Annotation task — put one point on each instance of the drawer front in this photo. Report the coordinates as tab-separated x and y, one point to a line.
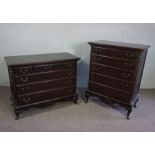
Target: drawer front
115	52
23	70
51	67
47	85
121	74
44	76
110	92
111	82
39	97
114	62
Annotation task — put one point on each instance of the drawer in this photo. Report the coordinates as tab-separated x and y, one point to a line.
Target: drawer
116	53
47	85
51	67
44	76
44	96
120	63
23	70
112	72
106	91
111	82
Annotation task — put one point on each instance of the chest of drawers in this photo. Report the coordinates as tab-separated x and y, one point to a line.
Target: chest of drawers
115	72
40	80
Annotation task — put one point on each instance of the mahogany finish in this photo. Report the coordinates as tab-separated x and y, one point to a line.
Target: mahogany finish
41	80
115	72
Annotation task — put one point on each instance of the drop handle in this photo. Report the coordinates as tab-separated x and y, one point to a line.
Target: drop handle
69	73
70	65
45	67
96	68
130	55
122	95
124	85
24	79
24	71
126	75
126	64
69	81
95	58
26	100
25	88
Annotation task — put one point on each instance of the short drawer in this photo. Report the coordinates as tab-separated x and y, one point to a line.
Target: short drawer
23	70
120	63
106	91
112	72
57	66
19	80
111	82
116	52
46	85
44	96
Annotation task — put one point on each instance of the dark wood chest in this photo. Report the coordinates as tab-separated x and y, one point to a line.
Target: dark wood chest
115	72
40	80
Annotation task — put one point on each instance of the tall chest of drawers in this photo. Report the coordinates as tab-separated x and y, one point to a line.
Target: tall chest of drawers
115	72
40	80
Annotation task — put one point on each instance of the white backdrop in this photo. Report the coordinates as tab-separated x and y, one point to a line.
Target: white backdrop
21	39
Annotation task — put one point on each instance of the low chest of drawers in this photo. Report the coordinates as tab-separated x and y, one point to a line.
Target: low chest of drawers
115	72
41	80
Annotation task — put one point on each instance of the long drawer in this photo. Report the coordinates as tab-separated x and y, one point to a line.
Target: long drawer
112	72
115	52
120	63
24	70
109	92
19	80
46	85
128	86
47	95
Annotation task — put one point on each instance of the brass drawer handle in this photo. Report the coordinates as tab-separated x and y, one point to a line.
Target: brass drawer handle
124	85
48	67
130	55
69	81
93	87
122	95
69	65
27	100
126	75
24	71
25	88
24	79
45	67
70	73
95	68
126	64
97	58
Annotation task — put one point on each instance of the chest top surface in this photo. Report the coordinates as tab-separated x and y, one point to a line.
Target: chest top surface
39	58
119	44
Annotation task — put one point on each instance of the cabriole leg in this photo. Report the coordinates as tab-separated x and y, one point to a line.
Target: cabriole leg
75	99
16	116
135	104
87	96
129	112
